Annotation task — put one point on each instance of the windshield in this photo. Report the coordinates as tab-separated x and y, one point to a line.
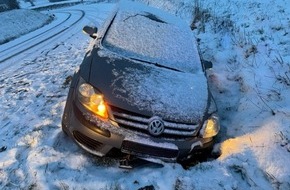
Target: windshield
145	36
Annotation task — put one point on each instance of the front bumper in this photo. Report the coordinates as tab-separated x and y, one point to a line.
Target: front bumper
99	137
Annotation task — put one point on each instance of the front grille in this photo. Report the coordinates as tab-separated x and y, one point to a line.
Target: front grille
87	142
140	123
141	149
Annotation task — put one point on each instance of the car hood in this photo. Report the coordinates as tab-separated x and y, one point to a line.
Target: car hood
149	90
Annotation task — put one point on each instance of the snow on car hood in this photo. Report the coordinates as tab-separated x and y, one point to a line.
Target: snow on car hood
150	90
148	34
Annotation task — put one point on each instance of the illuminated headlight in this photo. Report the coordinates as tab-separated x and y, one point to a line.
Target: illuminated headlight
92	100
210	127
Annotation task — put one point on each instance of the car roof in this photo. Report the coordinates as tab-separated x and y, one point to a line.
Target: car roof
151	35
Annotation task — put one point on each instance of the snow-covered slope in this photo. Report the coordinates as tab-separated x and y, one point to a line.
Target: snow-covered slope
20	21
30	4
248	43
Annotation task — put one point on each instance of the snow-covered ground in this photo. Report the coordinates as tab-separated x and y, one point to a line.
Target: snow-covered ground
26	4
44	3
248	43
20	21
38	3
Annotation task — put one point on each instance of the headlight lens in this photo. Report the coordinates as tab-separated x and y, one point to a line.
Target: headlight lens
92	100
210	127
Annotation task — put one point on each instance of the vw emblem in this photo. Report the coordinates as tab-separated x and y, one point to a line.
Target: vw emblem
156	126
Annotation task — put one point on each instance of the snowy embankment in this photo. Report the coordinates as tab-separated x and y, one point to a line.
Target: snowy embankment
20	21
248	43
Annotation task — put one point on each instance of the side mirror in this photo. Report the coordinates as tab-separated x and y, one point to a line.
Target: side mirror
90	31
207	64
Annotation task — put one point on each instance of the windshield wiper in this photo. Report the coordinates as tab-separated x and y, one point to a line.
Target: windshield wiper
157	65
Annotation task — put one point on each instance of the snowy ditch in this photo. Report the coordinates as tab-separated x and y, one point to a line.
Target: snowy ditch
250	81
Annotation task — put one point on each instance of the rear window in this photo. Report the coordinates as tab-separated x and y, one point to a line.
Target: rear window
148	37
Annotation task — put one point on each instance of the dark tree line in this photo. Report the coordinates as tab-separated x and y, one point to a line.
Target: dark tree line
56	0
8	5
13	4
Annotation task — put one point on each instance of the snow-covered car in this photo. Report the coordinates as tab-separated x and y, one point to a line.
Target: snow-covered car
142	89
